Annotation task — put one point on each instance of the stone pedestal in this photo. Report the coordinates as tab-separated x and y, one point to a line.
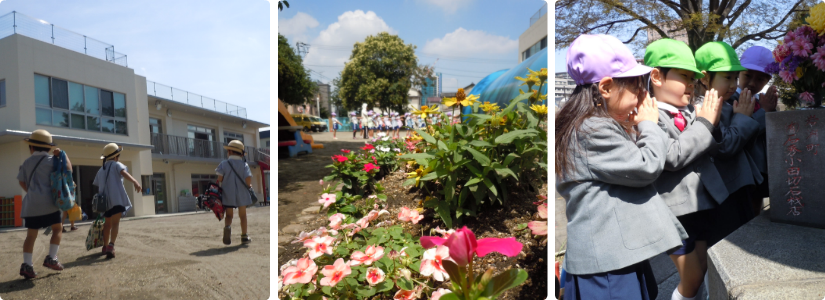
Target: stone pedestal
768	260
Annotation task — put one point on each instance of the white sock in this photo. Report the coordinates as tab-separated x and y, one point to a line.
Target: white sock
27	258
230	226
53	250
678	296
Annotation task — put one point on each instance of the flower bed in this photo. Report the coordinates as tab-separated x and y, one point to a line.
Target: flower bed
383	239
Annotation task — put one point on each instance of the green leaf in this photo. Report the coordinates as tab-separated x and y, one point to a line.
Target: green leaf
384	286
429	176
405	284
481	117
515	102
351	281
409	182
428	138
521	226
315	297
465	191
454	271
348	209
365	291
473	169
504	172
480	143
480	157
382	197
431	203
509	159
444	213
507	280
449	296
417	156
327	290
472	182
490	186
512	135
462	130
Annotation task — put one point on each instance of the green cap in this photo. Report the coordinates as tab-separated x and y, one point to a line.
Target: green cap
670	53
718	57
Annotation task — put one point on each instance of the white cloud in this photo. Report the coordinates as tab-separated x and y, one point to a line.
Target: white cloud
463	42
449	6
333	45
295	28
450	85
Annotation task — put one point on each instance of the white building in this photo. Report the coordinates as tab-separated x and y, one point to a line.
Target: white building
534	38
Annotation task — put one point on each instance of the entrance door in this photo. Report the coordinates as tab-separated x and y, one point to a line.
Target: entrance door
87	189
159	188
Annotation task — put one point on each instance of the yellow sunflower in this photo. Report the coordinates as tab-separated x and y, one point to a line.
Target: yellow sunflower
539	109
489	107
541	75
418	173
424	110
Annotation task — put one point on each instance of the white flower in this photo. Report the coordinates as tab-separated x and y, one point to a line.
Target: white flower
385	138
396	150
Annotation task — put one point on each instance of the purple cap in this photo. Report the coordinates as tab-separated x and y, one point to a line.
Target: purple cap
369	112
449	113
352	113
756	58
334	114
591	58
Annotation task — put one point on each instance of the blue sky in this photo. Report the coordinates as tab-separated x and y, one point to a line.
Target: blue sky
218	49
472	38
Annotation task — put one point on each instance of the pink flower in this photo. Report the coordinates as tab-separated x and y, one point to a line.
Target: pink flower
319	245
322	232
431	263
375	161
339	158
363	222
327	199
543	211
807	97
440	292
801	48
321	182
369	167
463	245
304	236
345	151
355	230
370	255
374	276
405	295
444	233
787	76
819	58
780	53
301	273
368	147
335	273
335	221
538	227
409	215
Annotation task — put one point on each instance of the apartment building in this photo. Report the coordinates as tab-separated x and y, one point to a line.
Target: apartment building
86	96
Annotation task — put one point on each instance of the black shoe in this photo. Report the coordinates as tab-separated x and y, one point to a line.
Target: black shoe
245	239
27	271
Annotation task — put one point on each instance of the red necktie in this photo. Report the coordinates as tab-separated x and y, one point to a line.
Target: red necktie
679	120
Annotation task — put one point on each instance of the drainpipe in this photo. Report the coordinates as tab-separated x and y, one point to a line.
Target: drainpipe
174	174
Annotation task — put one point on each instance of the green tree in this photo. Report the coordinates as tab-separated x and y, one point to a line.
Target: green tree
294	84
380	72
281	4
736	22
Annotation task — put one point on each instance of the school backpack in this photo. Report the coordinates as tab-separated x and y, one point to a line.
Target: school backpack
63	192
212	199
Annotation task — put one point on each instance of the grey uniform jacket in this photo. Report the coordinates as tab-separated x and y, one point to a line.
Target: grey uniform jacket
690	181
735	166
757	148
615	217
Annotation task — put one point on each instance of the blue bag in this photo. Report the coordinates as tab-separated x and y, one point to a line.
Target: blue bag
63	192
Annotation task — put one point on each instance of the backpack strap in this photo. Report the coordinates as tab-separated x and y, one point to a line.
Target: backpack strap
243	182
28	184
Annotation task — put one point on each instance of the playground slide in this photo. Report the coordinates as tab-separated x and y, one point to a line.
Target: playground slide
306	137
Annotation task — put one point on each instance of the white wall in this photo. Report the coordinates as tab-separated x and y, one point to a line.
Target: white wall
532	35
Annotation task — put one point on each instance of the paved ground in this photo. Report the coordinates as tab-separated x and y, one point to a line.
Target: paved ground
169	257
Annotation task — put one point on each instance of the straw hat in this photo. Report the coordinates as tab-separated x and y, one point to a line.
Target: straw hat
111	151
235	145
40	138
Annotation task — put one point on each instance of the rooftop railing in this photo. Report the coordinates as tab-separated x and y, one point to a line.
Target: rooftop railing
542	11
17	23
170	93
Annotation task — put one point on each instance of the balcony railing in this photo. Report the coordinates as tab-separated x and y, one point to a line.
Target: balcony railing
165	144
17	23
542	11
178	95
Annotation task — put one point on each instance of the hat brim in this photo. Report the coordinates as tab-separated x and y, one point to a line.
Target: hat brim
754	68
38	143
116	153
233	149
736	68
638	70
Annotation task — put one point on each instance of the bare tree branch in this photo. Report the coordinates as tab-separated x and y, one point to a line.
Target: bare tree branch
732	19
634	35
641	18
745	38
610	24
676	8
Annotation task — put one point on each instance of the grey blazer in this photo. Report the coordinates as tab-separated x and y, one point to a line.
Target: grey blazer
615	217
737	169
690	182
757	148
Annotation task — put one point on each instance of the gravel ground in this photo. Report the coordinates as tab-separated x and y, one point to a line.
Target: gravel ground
172	257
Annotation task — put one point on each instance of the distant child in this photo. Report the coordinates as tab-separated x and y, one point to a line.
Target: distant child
386	124
396	124
720	65
755	60
38	209
109	180
355	122
690	185
365	124
609	151
335	126
235	178
409	123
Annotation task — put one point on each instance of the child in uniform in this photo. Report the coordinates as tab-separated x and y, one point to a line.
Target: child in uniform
335	126
387	123
235	190
720	65
396	124
109	180
353	119
409	123
755	59
690	185
609	151
39	210
371	123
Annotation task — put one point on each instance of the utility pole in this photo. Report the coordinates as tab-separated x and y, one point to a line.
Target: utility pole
302	48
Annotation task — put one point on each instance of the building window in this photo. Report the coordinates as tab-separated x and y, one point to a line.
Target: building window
267	144
155	126
62	103
229	136
200	182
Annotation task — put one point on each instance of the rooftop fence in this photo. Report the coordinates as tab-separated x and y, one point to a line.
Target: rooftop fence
17	23
538	14
170	93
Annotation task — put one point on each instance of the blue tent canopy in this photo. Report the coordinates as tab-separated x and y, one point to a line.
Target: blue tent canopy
502	86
